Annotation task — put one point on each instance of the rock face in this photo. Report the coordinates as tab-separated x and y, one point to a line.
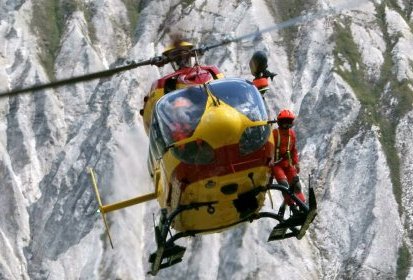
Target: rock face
348	76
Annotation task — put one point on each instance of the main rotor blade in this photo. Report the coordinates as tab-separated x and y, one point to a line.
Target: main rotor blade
300	20
77	79
348	5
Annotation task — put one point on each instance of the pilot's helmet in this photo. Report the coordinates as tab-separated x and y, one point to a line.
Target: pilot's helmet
179	54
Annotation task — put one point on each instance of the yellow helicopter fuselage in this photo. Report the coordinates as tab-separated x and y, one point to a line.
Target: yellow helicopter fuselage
221	162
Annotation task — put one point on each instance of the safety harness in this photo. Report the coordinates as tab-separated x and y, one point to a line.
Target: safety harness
287	153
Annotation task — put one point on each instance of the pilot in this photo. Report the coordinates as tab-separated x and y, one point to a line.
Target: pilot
181	118
285	167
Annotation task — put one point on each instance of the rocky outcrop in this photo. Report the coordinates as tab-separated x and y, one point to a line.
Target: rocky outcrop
348	77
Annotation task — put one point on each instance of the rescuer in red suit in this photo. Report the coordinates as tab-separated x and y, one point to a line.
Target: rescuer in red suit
285	167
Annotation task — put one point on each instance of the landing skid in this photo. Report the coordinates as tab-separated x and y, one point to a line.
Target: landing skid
168	253
298	224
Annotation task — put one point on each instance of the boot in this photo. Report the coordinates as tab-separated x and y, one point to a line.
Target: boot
296	185
284	183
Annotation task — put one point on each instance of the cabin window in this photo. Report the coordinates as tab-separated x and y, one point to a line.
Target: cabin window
241	95
157	144
195	152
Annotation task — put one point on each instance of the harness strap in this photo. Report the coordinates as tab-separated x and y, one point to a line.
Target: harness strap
288	152
277	151
288	149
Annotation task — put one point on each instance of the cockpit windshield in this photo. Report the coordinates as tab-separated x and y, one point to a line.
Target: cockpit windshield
241	95
179	113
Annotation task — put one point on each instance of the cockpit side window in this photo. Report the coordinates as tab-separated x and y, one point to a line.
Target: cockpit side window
157	144
195	152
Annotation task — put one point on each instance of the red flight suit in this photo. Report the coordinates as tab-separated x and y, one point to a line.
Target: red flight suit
285	159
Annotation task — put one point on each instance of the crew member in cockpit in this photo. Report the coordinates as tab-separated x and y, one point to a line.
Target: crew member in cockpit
180	124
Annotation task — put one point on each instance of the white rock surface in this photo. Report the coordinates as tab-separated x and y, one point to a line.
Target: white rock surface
49	228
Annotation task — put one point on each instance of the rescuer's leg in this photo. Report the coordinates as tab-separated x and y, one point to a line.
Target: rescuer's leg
294	181
287	199
296	185
281	177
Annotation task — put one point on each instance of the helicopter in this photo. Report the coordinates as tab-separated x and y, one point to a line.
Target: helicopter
214	175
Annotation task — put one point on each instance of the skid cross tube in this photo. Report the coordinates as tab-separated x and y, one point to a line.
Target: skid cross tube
253	217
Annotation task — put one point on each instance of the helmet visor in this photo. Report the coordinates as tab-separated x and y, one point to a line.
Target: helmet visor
286	123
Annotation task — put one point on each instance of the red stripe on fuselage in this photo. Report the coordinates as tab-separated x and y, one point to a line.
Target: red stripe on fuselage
227	161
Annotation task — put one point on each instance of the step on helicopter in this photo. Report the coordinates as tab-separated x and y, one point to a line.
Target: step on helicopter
209	154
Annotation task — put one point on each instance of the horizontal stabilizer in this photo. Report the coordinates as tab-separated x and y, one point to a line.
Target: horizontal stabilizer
95	187
103	209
